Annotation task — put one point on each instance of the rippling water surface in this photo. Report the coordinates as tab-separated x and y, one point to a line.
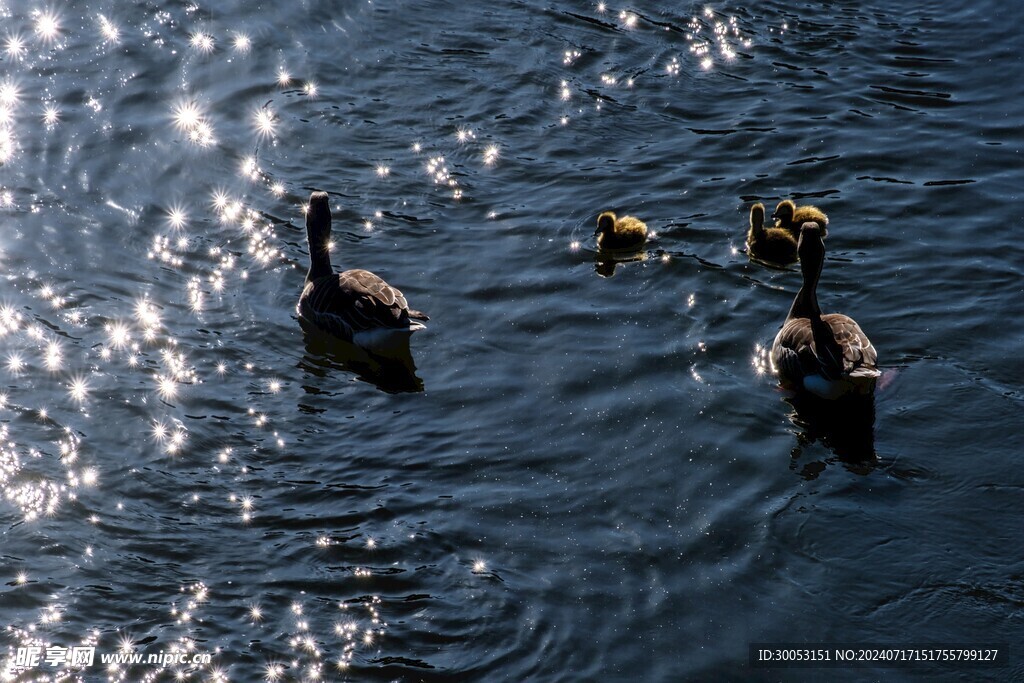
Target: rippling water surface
587	477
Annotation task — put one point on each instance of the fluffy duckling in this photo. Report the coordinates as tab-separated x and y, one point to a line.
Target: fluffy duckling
826	355
790	216
355	305
620	233
774	245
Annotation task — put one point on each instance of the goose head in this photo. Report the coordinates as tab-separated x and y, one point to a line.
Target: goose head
810	247
318	221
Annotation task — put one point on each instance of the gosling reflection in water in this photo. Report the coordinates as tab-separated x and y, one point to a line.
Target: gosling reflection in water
394	373
605	263
845	426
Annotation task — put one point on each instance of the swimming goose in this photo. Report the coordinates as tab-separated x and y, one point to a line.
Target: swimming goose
620	233
827	355
790	216
775	245
355	305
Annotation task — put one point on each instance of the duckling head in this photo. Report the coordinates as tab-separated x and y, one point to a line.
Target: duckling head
757	215
810	247
605	223
784	211
318	220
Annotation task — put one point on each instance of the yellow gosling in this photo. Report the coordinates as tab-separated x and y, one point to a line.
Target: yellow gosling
620	233
773	245
790	216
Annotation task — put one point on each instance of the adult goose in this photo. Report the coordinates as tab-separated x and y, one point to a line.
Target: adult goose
774	245
790	216
619	234
355	305
826	355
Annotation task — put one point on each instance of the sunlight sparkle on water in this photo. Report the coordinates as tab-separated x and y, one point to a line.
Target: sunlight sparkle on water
47	26
9	96
220	200
491	155
10	320
176	217
761	360
311	89
265	121
89	476
186	115
15	47
15	363
109	31
166	387
202	42
50	114
53	358
242	43
251	170
190	120
79	389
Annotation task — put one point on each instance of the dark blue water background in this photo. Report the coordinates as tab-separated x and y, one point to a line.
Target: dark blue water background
597	481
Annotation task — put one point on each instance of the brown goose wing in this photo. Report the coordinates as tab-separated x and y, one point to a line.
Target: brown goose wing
858	353
835	348
793	352
360	299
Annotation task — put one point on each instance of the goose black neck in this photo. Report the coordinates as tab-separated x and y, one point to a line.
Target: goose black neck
805	305
318	233
319	261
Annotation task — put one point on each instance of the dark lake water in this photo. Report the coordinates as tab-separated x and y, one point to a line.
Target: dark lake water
598	480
